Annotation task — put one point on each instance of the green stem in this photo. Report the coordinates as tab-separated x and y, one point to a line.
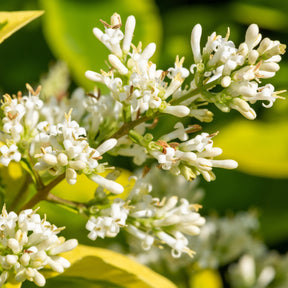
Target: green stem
42	194
126	127
198	90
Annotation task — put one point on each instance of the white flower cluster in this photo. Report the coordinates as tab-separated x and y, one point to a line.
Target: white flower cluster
268	270
64	149
104	115
21	115
29	244
237	70
156	222
217	244
109	221
249	277
189	158
134	80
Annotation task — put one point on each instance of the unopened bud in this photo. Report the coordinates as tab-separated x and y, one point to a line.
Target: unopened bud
264	45
77	165
149	51
106	146
226	81
179	110
50	159
116	20
252	37
129	30
66	246
195	42
62	159
253	56
117	64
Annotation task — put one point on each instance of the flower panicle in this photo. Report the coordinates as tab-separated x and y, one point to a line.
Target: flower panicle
30	244
236	71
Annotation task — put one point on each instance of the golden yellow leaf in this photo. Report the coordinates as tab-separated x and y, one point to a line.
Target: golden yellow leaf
102	265
206	278
14	285
10	22
259	148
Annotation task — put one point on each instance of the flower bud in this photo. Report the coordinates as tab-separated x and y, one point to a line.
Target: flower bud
195	43
149	51
106	146
253	56
226	81
117	64
110	185
62	159
116	20
71	176
50	159
227	164
264	45
179	110
77	165
66	246
129	30
252	37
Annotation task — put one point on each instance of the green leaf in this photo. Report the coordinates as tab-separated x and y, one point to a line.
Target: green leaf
260	148
266	17
68	28
10	22
95	267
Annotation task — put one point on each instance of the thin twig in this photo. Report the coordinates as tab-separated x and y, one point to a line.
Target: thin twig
56	199
126	127
43	193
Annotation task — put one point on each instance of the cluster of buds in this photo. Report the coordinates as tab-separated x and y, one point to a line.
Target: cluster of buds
64	149
156	222
237	71
267	270
108	221
29	244
20	117
188	158
133	79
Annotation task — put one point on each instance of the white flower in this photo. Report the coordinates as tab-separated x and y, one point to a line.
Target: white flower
178	243
29	245
8	154
151	219
109	222
64	149
250	276
112	36
190	158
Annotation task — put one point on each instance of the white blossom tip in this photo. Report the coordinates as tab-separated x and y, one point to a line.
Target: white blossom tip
107	145
91	75
110	185
117	64
195	42
178	110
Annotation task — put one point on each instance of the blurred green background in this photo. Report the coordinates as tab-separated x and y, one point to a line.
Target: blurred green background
260	146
